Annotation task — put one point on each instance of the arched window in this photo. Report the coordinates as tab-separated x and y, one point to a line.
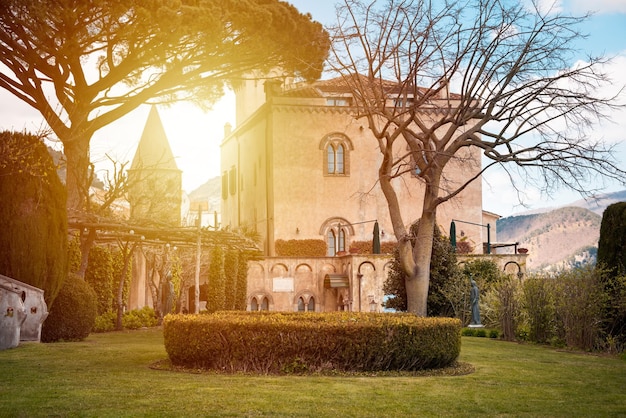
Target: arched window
330	156
337	149
339	163
254	305
337	232
341	242
304	306
331	243
265	305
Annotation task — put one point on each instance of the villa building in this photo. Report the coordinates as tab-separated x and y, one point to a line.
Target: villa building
300	168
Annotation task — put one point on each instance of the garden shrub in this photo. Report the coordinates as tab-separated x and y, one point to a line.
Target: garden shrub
135	319
73	314
366	247
105	322
468	332
579	300
480	332
140	318
269	342
505	304
300	248
538	308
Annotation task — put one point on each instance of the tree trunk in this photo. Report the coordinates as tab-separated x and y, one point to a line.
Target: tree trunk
418	280
77	178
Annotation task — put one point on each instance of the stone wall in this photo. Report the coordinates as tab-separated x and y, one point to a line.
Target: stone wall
350	282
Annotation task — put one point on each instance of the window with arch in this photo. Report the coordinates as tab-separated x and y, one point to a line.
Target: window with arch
263	305
304	306
337	232
331	241
336	241
341	241
337	149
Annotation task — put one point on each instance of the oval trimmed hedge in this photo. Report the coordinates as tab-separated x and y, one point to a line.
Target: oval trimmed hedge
272	342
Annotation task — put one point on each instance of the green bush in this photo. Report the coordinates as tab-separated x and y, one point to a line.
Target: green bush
140	318
300	248
579	300
135	319
269	342
469	332
73	314
480	332
105	322
538	308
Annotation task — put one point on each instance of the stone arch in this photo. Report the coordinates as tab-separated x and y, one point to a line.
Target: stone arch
279	270
304	267
336	136
509	268
366	267
310	301
257	298
327	268
332	222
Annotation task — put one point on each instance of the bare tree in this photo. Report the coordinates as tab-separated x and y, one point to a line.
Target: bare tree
520	100
85	63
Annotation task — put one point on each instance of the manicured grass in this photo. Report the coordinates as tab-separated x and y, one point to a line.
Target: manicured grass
110	375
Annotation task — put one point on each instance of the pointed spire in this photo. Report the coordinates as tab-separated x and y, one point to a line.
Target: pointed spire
153	151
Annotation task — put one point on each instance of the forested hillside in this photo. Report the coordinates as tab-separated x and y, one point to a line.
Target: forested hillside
558	239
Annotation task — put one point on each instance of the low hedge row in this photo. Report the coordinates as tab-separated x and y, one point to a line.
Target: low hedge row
268	342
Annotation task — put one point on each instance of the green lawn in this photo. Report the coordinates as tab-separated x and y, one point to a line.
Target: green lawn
109	375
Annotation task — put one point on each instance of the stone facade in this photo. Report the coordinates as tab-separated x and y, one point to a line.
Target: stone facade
319	284
299	166
342	283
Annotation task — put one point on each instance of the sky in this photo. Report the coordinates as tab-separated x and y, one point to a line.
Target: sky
195	135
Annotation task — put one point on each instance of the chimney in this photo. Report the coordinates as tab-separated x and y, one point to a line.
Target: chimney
444	89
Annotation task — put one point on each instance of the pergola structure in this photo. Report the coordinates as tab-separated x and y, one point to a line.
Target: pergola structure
190	237
157	235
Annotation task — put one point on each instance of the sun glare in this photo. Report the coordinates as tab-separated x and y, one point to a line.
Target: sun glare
194	136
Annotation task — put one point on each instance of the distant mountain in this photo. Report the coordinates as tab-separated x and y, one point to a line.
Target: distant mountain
210	191
598	203
559	239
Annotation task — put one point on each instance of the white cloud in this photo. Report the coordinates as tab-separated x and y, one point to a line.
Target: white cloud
549	6
598	6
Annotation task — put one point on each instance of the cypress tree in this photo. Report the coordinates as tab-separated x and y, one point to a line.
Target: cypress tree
612	257
33	216
216	284
230	276
612	243
241	292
